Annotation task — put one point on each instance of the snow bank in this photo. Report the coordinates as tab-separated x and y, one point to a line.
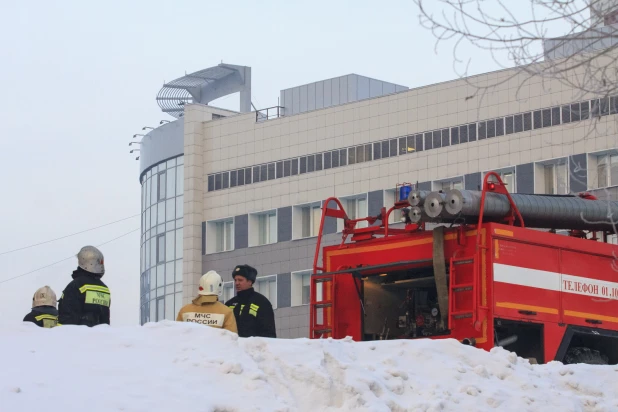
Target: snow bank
170	366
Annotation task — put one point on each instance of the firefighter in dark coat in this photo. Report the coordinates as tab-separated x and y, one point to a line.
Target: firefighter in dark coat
86	300
254	312
44	312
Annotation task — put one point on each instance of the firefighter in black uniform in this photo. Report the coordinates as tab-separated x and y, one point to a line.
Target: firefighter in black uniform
253	311
86	300
44	312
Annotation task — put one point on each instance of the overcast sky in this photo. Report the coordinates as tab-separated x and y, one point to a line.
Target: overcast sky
80	78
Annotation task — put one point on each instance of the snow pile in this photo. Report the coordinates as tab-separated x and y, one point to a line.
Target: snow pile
170	366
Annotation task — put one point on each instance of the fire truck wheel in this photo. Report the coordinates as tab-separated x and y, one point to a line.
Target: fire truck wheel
585	355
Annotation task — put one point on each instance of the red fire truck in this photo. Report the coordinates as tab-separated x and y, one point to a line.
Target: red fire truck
531	273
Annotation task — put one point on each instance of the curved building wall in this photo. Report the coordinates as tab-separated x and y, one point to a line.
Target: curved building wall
162	143
162	181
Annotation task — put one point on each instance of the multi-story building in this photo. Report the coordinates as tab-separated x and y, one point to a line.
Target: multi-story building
222	188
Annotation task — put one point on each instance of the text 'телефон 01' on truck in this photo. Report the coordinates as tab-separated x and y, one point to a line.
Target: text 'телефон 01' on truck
483	274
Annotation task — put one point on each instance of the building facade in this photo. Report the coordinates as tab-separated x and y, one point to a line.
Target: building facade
253	183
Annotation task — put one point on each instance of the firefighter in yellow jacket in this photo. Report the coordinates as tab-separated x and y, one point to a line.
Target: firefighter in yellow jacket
206	308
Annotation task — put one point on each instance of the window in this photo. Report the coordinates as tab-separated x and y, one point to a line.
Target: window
463	134
500	127
555	179
527	121
160	309
306	220
352	155
491	128
301	288
271	171
455	135
327	160
355	207
428	141
161	248
607	170
509	125
263	228
228	291
360	154
508	178
538	120
224	235
390	197
311	220
161	186
267	286
448	185
437	139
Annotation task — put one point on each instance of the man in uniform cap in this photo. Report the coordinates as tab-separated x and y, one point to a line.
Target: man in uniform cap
44	312
253	311
206	309
86	300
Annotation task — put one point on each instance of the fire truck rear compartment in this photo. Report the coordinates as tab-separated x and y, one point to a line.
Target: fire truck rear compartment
523	338
401	304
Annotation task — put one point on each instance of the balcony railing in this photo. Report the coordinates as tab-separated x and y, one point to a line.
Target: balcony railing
269	113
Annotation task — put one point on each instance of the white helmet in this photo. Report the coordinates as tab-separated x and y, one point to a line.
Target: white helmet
90	259
44	296
211	284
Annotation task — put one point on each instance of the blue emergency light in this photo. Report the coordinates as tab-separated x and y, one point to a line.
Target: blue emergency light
404	192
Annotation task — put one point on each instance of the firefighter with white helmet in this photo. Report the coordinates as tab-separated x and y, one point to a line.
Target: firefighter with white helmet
86	300
44	312
206	309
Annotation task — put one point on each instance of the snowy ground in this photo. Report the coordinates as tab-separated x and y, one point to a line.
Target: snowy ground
172	366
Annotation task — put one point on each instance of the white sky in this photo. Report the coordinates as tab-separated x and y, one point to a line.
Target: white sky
79	79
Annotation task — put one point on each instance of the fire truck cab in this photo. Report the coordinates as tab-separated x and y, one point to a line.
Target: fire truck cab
495	282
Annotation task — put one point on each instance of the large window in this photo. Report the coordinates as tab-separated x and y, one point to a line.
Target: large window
508	177
161	241
224	235
228	291
607	170
555	177
355	207
220	235
301	287
267	286
263	228
448	184
306	220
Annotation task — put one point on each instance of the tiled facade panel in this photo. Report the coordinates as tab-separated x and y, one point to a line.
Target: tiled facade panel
524	175
424	186
241	232
292	322
284	224
284	285
375	202
578	173
472	181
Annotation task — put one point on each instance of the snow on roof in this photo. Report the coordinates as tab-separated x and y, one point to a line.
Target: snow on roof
170	366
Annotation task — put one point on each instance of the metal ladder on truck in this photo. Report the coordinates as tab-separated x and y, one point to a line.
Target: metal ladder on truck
322	307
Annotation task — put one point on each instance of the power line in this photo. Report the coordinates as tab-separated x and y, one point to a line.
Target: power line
70	257
64	237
